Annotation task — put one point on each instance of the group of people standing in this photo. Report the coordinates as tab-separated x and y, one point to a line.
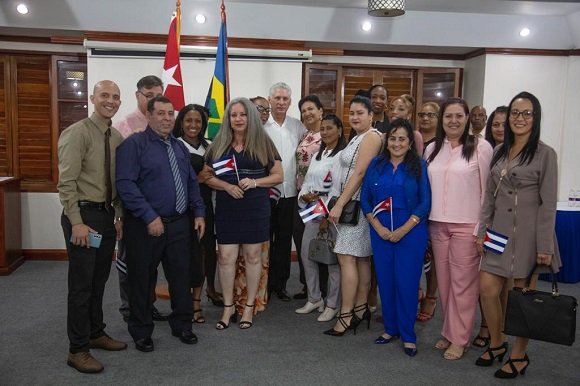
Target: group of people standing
421	198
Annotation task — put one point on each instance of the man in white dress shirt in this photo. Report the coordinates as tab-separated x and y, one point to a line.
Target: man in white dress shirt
286	132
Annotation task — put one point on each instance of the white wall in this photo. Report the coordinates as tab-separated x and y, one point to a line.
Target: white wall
247	78
41	221
474	80
568	157
550	79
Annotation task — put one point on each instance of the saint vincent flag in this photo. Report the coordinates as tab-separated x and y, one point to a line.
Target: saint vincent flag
218	94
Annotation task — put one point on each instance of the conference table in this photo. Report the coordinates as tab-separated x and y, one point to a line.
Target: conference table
568	234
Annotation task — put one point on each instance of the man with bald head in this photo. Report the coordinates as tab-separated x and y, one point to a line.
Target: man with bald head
91	211
478	118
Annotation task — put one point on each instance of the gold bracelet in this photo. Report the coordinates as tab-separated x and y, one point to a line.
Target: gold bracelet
414	220
255	184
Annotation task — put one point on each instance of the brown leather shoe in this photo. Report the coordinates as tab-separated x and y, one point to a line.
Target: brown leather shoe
105	342
84	362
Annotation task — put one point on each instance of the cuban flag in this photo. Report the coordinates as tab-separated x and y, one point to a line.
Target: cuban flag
225	165
383	206
495	242
274	194
319	209
327	182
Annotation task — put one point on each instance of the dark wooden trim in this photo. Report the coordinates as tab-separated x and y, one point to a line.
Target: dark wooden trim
74	40
410	55
191	40
25	39
327	51
5	271
45	254
575	52
518	51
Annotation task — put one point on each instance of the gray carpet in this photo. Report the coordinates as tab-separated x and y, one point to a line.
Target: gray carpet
282	348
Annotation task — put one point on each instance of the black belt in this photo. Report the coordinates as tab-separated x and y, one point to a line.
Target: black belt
93	205
168	220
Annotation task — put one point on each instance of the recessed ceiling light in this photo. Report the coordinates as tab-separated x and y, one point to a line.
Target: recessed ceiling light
22	9
200	18
366	26
438	94
524	32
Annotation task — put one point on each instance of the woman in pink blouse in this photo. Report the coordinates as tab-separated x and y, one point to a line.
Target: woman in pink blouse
311	112
458	169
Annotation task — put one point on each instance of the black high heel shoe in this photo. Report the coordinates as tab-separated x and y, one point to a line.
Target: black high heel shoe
221	325
200	318
490	351
215	299
365	316
341	318
245	324
505	375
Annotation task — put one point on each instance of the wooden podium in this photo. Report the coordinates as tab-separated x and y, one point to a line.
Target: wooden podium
10	233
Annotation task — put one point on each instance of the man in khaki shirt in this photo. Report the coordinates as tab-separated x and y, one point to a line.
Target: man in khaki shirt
87	192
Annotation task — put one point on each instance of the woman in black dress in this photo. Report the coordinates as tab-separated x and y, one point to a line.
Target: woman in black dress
242	213
190	127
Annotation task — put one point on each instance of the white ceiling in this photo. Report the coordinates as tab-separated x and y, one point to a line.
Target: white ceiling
446	26
496	7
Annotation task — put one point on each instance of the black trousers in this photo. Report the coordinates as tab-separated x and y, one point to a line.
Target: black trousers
88	271
203	253
144	252
282	220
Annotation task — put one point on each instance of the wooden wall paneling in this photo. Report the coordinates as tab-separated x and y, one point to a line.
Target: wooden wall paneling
354	79
5	137
34	153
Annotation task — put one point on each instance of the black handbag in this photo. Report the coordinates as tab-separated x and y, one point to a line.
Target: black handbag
350	212
320	249
539	315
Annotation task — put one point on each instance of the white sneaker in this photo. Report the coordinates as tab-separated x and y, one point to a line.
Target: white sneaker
327	315
309	307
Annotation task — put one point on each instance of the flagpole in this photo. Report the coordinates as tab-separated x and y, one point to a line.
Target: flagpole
236	167
178	21
391	204
227	83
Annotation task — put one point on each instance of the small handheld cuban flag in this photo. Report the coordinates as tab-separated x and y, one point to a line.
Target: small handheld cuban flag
319	209
274	194
327	182
383	206
495	242
224	165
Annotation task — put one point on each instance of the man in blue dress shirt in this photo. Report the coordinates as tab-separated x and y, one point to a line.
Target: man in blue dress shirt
157	186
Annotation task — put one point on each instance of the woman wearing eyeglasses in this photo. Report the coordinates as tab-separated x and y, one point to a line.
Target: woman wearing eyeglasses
520	203
428	127
458	169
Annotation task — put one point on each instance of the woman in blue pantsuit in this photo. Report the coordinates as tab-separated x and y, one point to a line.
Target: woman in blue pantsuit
396	199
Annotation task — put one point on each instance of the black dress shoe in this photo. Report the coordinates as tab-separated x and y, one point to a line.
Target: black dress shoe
187	337
300	295
144	344
158	316
283	295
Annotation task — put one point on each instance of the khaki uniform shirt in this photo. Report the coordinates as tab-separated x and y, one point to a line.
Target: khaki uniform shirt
81	165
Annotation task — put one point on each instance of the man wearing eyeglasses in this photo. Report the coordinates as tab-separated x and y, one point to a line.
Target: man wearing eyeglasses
148	88
478	118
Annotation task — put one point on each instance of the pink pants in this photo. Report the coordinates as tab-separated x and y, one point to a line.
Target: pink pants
457	264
